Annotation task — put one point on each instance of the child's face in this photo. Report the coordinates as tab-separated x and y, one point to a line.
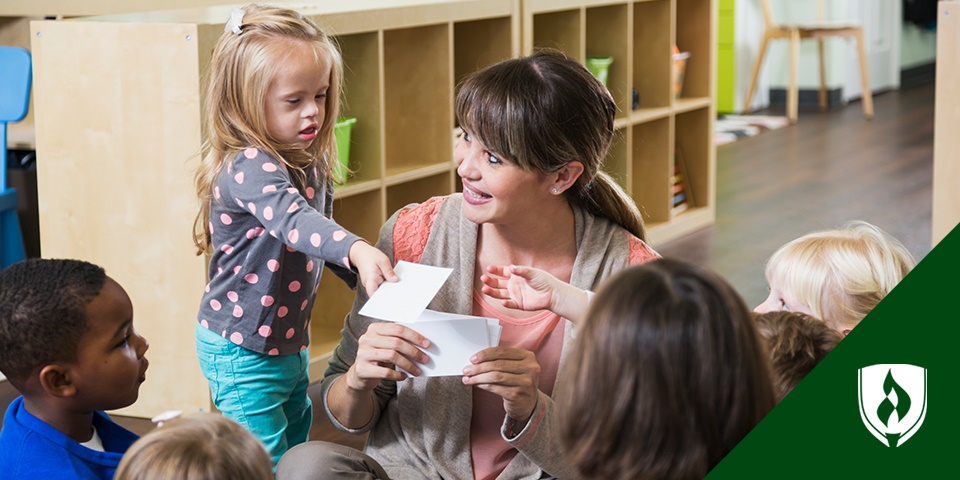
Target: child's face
110	363
779	299
297	98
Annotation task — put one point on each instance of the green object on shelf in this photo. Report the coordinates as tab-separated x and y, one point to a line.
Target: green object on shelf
342	132
600	67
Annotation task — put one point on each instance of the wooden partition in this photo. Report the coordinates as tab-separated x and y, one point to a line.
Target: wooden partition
118	128
946	143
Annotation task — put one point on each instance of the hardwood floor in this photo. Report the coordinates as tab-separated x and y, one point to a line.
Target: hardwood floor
825	170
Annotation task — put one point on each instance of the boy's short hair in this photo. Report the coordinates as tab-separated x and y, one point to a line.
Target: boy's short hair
797	343
43	313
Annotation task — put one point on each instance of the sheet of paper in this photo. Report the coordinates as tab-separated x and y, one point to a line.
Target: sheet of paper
405	300
452	342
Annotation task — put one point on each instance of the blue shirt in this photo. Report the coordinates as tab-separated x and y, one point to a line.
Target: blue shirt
29	448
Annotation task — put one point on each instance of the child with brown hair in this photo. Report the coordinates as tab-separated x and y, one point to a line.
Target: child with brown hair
797	342
70	349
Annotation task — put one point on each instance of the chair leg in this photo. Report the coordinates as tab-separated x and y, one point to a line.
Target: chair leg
747	103
823	76
793	93
867	94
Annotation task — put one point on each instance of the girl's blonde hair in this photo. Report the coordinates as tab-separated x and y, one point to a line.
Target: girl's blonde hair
241	69
196	447
840	274
542	112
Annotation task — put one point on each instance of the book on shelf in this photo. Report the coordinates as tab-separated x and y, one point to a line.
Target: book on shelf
682	194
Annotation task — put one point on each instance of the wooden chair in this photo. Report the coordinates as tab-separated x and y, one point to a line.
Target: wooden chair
818	30
14	100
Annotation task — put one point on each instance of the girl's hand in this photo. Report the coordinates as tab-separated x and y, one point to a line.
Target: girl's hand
528	288
511	373
384	346
373	266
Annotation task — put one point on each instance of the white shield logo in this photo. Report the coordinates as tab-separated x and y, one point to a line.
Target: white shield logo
893	401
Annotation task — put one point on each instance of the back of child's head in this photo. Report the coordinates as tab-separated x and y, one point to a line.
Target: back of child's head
840	275
542	112
196	447
43	313
241	70
797	343
669	374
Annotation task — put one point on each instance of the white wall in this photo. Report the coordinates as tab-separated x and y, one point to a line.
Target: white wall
918	46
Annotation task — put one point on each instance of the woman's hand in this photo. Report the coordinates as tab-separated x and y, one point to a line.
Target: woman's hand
528	288
511	373
384	346
373	266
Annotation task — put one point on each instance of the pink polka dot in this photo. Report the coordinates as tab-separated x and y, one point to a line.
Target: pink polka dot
269	188
310	266
269	167
273	234
216	192
252	208
237	338
251	278
303	347
215	304
266	300
225	219
207	288
265	331
291	190
240	202
282	312
223	334
205	324
210	224
291	333
315	239
236	269
293	207
273	265
252	233
268	213
303	306
258	231
339	235
228	249
310	192
293	236
238	177
346	262
233	296
219	270
291	249
237	311
294	286
273	352
250	153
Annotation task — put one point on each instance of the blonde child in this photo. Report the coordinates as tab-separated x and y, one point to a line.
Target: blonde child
836	275
199	446
266	196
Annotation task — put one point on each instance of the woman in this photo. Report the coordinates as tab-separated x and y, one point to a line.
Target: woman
535	132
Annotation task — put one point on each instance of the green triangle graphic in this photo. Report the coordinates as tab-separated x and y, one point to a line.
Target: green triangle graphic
816	431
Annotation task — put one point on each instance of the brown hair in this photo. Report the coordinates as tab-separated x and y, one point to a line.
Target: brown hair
196	447
669	374
241	70
797	343
573	115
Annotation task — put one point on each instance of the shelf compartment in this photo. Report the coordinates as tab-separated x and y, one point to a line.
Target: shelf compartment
651	169
480	43
694	144
418	103
694	34
361	100
617	163
417	191
606	36
559	31
652	58
681	105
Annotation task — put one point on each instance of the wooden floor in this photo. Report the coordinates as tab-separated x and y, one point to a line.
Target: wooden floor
825	170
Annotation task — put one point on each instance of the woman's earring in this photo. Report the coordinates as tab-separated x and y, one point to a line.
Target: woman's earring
555	191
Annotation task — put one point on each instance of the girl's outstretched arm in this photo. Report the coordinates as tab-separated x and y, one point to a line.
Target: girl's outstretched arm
528	288
373	266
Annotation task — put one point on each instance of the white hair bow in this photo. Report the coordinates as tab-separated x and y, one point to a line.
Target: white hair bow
236	19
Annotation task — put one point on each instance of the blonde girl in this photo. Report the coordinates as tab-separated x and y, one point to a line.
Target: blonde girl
836	275
266	196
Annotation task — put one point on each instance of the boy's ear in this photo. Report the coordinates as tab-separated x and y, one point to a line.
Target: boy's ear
55	380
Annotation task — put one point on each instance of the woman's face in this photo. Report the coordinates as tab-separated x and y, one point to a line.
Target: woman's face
496	190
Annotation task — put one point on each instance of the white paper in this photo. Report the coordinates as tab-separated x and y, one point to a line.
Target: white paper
452	343
405	300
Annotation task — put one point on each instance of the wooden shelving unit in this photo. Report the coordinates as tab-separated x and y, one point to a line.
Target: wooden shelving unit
120	140
639	36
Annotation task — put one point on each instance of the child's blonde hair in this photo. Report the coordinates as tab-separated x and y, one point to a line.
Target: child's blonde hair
840	274
240	73
196	447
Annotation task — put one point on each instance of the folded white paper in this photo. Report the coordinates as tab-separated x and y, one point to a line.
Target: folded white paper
405	300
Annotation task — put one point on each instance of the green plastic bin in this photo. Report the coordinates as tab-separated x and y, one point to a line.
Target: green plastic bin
342	132
599	67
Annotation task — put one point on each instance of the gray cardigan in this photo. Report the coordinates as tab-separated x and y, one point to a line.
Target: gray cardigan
420	428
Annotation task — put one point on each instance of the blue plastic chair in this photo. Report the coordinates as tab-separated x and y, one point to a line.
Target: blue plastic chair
14	99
